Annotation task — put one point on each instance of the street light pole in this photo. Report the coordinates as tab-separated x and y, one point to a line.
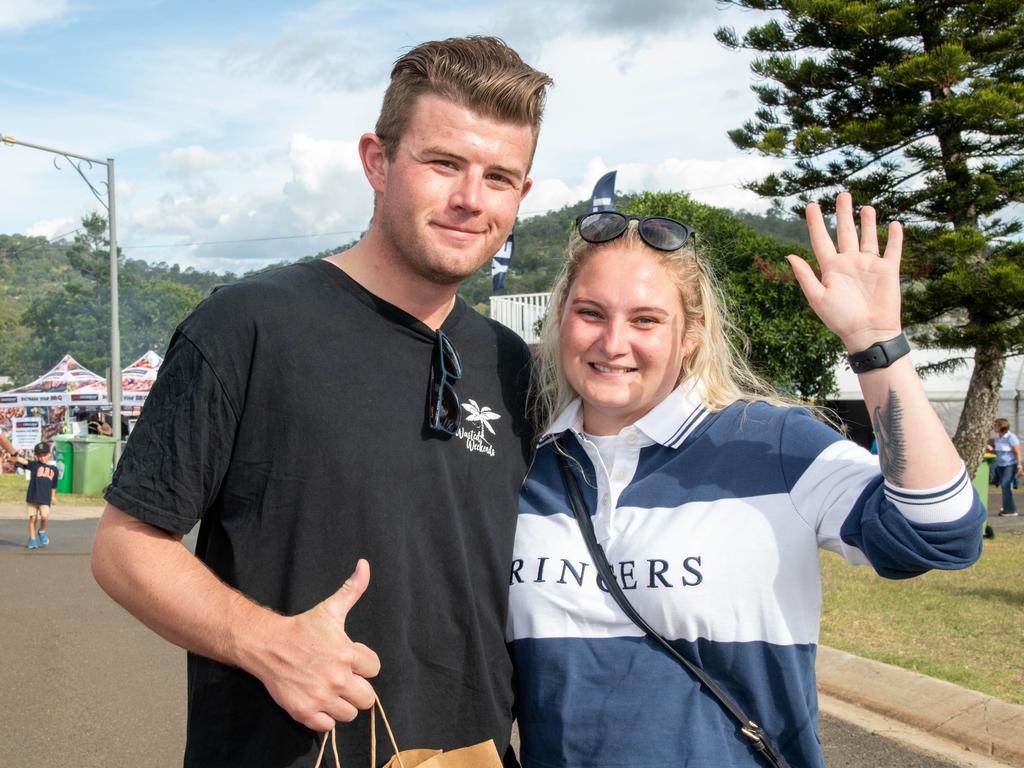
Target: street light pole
115	319
115	329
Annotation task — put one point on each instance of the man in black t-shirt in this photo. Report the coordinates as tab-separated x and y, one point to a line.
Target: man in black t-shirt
328	415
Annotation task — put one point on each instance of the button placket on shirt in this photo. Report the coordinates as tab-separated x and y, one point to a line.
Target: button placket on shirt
612	481
602	516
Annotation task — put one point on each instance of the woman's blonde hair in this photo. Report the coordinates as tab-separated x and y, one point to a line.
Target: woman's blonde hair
715	362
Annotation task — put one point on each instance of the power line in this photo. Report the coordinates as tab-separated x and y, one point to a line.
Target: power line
242	240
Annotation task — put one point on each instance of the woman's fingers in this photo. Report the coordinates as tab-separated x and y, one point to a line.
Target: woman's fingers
847	241
821	241
868	231
894	243
846	230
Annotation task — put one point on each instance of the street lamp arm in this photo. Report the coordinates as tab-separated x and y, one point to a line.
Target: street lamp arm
74	160
10	141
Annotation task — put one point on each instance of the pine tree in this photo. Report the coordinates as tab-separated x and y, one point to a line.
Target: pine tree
917	107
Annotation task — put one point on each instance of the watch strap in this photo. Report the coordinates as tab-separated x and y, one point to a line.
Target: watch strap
881	354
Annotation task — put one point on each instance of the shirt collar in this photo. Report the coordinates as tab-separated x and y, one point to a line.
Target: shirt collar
669	423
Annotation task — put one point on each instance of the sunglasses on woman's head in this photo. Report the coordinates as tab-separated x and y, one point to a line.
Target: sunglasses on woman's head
659	232
444	412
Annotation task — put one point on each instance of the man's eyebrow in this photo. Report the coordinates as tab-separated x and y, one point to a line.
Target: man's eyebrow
442	151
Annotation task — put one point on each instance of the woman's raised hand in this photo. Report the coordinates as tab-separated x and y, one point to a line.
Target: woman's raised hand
858	294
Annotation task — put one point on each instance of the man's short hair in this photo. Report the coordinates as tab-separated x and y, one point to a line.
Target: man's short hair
480	73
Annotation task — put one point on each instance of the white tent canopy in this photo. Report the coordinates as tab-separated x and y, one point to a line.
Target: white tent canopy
946	391
58	386
68	383
136	381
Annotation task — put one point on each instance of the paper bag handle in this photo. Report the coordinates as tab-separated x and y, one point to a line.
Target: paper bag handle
333	736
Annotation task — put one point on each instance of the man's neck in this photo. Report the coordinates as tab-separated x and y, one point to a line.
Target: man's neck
368	264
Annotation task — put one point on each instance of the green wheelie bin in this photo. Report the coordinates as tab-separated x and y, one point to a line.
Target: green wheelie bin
981	485
64	458
93	463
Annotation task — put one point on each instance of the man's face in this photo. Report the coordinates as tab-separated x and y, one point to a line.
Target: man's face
449	196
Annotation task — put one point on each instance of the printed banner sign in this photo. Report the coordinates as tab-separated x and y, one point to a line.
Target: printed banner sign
26	432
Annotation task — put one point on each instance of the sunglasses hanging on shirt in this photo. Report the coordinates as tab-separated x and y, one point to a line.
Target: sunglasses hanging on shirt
444	411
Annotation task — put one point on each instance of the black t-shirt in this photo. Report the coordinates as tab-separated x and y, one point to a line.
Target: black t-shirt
290	417
42	479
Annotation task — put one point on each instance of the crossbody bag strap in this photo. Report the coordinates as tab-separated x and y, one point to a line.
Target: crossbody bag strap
756	736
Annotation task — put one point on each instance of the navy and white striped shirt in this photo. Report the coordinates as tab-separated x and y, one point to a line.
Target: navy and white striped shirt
712	524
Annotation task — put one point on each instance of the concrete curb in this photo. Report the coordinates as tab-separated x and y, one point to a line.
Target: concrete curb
974	721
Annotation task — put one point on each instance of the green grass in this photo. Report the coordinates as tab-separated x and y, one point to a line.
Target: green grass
12	489
962	626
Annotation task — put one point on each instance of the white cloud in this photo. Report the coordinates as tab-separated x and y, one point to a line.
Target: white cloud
319	164
286	206
186	162
20	14
49	228
714	182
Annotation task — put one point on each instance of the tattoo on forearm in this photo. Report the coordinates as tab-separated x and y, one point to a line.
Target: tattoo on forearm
888	423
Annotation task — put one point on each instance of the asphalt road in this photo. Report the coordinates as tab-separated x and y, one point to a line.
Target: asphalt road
84	684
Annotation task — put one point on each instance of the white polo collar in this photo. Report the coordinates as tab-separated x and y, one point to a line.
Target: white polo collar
669	423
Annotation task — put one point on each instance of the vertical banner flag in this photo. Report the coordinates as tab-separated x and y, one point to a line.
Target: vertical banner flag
603	198
499	264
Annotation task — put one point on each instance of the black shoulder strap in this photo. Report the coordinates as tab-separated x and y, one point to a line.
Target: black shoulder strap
758	739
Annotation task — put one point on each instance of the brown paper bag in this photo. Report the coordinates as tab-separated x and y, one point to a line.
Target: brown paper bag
482	755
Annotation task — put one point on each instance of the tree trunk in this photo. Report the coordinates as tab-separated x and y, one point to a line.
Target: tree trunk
980	404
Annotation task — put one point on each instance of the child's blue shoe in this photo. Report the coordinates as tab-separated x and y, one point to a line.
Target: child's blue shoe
32	544
44	540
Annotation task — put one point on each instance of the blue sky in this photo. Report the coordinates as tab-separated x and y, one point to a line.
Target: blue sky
239	120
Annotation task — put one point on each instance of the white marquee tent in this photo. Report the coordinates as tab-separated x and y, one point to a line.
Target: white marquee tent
136	381
57	387
946	391
68	383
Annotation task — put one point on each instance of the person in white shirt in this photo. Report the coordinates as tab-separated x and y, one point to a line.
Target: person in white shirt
1008	466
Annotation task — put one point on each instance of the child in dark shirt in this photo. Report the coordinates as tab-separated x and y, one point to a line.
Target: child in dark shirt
42	492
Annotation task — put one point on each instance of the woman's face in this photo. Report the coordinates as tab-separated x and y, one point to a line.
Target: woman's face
621	337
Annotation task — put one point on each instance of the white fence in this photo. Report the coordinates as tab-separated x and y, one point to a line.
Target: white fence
521	312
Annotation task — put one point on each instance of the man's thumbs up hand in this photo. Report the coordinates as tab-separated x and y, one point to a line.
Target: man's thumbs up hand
311	667
341	602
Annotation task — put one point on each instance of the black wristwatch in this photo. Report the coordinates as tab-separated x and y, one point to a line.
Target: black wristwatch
879	355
